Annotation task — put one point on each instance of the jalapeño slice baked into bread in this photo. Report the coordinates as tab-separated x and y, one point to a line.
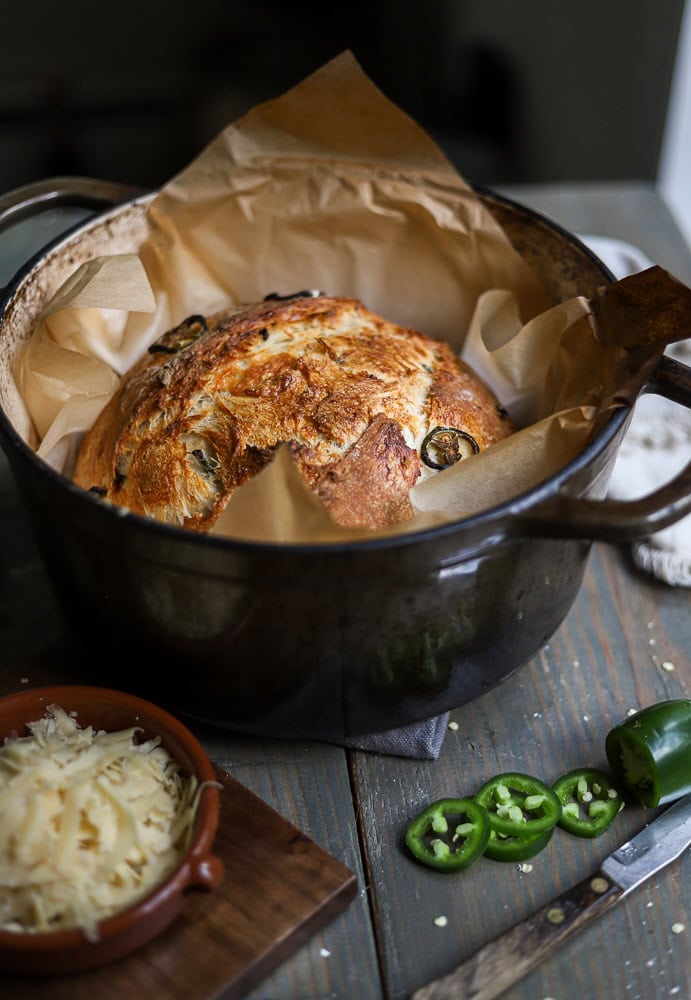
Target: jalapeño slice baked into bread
366	407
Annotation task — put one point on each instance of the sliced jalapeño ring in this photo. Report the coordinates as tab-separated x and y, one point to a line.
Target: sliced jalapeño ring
519	805
444	446
449	834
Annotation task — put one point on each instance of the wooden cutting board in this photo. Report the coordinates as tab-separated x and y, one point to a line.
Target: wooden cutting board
279	889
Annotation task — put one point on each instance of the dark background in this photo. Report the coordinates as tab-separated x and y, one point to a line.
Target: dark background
513	91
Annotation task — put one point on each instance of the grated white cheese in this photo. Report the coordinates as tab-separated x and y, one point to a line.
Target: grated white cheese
90	822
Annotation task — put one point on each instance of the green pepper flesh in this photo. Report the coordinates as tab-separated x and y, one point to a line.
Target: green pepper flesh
650	752
589	801
519	805
449	834
517	848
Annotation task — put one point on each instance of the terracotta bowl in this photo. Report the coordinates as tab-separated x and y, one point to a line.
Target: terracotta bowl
69	950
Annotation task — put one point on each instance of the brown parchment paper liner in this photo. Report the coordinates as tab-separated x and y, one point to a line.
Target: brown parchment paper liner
332	187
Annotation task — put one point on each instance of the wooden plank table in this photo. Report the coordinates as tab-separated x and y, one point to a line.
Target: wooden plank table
553	715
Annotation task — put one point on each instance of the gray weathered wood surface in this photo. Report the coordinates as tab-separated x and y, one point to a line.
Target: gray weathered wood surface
553	715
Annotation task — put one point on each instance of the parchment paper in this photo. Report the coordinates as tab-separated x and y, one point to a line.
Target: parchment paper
333	187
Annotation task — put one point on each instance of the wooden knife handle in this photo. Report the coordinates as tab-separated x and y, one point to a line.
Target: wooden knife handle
508	958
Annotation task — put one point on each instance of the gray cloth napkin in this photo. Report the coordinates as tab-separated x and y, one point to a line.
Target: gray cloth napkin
422	740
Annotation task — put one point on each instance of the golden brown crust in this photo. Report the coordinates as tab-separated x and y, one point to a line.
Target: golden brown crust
368	487
353	395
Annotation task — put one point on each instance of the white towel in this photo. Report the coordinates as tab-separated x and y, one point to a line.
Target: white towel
656	446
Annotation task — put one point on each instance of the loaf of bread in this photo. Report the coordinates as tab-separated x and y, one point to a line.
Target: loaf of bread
366	408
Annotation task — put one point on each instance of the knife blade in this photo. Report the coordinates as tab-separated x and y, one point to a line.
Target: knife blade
509	957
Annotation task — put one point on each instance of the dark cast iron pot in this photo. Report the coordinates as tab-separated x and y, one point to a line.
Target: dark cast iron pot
324	641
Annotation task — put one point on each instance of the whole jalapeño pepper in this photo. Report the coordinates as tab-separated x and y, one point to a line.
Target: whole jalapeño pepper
650	752
449	834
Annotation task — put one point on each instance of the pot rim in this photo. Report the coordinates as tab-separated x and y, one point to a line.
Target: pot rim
495	515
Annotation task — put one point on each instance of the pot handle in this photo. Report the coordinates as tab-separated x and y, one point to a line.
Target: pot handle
79	192
621	520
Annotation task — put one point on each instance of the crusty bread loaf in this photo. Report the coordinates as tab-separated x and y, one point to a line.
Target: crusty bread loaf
366	407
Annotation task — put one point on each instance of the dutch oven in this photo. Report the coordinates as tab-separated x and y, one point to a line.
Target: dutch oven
322	641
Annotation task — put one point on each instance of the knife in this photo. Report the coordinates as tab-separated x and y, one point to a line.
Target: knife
506	959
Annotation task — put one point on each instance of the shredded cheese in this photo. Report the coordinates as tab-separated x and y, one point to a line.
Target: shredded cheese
90	822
